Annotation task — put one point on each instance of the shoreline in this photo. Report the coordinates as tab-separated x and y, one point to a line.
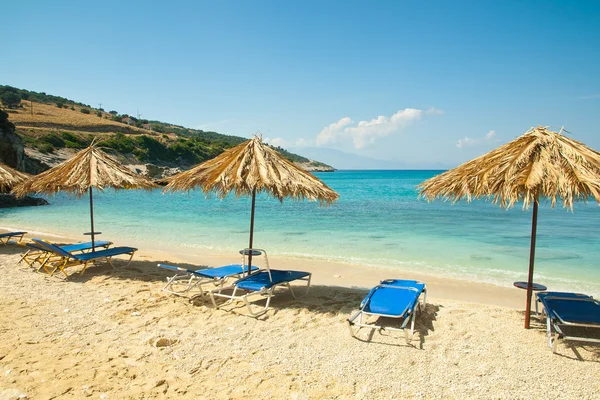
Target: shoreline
336	273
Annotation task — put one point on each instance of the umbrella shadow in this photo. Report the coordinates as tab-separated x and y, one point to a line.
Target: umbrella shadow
321	299
12	249
139	270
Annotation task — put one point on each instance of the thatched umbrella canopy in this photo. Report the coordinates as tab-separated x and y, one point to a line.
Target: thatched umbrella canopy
89	168
539	164
250	168
10	177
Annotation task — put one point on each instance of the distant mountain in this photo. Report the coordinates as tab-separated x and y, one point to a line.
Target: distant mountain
344	160
52	128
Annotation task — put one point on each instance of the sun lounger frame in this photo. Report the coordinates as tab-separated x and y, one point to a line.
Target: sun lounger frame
85	259
196	279
41	255
408	314
554	321
264	292
6	237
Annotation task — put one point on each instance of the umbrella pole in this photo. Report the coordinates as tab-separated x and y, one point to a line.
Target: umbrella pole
251	231
531	261
92	219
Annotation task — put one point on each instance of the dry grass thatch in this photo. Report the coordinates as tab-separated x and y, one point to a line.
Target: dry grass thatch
540	163
253	166
90	167
10	177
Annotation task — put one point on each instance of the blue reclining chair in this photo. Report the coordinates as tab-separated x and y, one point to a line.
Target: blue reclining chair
566	314
6	238
41	255
392	298
194	280
70	259
262	283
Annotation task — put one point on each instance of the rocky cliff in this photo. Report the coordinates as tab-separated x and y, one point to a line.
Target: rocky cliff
12	150
12	153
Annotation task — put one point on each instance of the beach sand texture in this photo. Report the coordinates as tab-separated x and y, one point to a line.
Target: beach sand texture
113	334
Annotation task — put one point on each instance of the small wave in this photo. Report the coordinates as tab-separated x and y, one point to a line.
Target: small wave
480	257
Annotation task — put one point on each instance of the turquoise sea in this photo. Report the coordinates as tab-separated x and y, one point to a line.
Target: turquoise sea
378	221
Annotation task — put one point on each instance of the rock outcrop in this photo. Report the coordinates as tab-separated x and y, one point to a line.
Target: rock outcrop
8	200
12	150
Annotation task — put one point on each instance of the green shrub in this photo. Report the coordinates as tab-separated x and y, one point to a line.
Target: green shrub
99	114
53	139
85	111
46	148
60	105
10	99
120	143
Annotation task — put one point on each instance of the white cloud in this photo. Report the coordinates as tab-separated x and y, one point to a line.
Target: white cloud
275	142
330	133
304	143
434	111
469	142
367	132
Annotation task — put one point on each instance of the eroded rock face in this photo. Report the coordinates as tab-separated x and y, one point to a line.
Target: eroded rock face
12	150
160	172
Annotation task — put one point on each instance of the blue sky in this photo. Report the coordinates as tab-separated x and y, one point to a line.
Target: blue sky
376	84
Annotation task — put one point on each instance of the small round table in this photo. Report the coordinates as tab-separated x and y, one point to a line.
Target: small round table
536	287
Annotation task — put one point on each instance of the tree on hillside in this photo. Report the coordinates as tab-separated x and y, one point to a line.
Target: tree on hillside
10	99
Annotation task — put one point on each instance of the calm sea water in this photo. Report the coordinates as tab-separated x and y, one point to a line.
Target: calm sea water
378	221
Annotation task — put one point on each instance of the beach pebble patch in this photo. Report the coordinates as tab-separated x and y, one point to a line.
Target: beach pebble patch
162	342
12	394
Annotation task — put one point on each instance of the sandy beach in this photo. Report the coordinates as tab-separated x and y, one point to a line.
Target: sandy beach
113	334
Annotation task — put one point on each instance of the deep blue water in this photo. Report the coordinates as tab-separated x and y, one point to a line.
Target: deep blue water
378	221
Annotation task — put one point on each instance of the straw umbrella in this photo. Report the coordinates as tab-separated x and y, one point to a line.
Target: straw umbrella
90	168
10	177
250	168
539	164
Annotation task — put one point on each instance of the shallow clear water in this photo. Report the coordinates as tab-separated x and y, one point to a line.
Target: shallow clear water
378	221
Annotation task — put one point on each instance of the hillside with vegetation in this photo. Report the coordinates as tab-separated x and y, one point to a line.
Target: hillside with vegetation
52	128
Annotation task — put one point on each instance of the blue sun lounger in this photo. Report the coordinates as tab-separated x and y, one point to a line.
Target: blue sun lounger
6	238
570	316
262	284
192	281
42	255
70	259
392	298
